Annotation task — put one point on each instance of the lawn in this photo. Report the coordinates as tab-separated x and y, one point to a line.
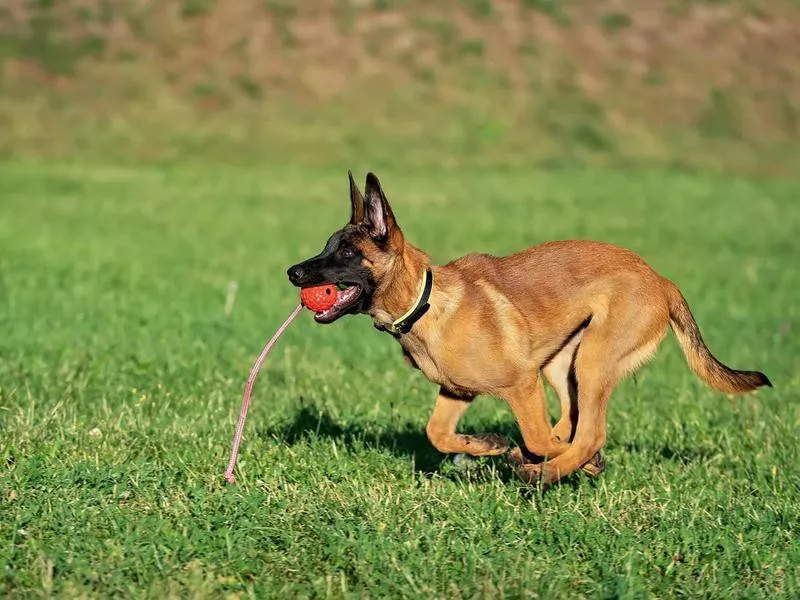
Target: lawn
121	377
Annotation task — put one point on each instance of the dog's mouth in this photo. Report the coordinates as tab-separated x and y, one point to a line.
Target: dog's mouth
346	297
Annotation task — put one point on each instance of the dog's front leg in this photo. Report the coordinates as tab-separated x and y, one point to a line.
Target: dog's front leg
441	429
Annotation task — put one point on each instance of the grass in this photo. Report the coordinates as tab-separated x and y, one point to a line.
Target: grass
121	379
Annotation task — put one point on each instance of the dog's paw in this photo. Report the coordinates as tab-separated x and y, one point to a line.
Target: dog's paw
595	466
522	456
516	458
486	444
528	471
533	470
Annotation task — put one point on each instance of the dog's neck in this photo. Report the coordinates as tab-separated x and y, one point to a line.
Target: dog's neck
401	286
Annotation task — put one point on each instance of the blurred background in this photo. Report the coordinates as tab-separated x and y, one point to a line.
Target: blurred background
711	84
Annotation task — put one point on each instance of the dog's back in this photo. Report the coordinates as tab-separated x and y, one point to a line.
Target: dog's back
580	274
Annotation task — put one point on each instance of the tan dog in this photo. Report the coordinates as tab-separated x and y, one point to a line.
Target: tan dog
580	314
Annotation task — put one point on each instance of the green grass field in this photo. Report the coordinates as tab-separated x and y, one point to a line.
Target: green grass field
121	378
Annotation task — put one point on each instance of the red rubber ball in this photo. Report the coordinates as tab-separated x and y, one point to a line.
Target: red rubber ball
318	298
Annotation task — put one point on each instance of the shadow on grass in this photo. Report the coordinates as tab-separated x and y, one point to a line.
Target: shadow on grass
406	440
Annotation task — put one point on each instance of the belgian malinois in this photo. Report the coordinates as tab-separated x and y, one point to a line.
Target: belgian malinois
581	314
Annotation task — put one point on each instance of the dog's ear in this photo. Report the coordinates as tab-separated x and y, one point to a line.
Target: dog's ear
356	202
379	219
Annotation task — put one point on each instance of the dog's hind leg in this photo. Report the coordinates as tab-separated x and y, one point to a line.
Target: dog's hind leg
611	347
527	402
596	380
441	429
560	374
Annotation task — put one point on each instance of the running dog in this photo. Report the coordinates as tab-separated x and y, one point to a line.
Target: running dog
579	314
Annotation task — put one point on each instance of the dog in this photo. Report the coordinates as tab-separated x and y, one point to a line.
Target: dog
580	314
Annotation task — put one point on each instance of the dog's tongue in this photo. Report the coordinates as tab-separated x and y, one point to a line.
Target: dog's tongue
346	294
343	298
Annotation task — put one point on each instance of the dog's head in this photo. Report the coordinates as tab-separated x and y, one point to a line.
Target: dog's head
357	257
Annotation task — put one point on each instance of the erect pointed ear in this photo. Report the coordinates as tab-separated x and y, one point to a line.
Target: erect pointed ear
356	202
379	219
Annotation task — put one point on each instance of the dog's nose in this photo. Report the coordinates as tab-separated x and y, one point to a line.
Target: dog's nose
296	274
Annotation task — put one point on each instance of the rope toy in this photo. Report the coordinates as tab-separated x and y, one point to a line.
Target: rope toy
317	298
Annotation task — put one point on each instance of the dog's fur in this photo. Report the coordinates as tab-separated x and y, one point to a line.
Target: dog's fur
579	314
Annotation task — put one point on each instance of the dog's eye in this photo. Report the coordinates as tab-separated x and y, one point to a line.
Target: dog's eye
347	253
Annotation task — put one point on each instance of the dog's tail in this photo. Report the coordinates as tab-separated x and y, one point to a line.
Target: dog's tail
699	357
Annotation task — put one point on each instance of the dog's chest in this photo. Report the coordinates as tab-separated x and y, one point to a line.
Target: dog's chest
420	356
435	364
